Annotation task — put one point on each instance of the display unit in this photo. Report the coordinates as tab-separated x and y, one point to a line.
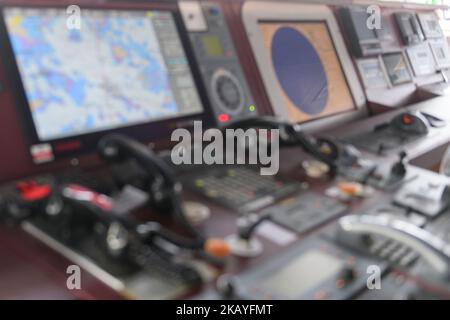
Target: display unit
396	68
363	40
409	27
372	73
441	53
304	64
430	25
421	59
135	76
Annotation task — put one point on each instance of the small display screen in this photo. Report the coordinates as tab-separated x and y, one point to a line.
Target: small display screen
421	60
120	68
213	46
430	25
302	275
306	65
396	68
441	53
372	73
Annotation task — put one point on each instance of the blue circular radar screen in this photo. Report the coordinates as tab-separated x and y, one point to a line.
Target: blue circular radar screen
299	70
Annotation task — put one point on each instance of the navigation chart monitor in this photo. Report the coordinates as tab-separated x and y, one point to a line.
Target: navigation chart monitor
120	69
305	67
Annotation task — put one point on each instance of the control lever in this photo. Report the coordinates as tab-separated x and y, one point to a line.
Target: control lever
432	249
398	170
101	208
126	239
77	206
227	286
350	155
242	243
292	135
164	189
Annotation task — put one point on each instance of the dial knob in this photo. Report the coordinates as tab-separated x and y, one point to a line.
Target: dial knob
227	91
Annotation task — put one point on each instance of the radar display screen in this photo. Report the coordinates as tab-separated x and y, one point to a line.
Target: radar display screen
308	70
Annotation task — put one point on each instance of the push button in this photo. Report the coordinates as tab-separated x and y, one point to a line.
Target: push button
407	119
32	191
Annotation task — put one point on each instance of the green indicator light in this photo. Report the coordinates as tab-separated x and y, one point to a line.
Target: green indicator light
200	183
252	108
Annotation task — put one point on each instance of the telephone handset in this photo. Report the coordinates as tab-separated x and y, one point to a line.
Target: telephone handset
116	148
433	249
162	186
291	134
124	238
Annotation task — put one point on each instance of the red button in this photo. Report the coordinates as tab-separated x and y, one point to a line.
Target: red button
224	117
31	191
407	119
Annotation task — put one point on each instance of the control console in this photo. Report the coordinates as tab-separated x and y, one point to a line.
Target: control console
221	71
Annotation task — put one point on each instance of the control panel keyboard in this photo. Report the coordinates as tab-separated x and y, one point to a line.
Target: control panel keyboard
242	188
306	211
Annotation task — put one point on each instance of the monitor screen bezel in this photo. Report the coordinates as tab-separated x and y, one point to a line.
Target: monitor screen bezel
253	14
86	143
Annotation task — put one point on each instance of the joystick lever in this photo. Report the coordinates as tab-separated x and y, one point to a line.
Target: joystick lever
242	243
247	225
398	170
227	285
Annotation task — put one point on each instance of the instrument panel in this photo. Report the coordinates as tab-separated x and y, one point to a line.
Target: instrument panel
90	174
